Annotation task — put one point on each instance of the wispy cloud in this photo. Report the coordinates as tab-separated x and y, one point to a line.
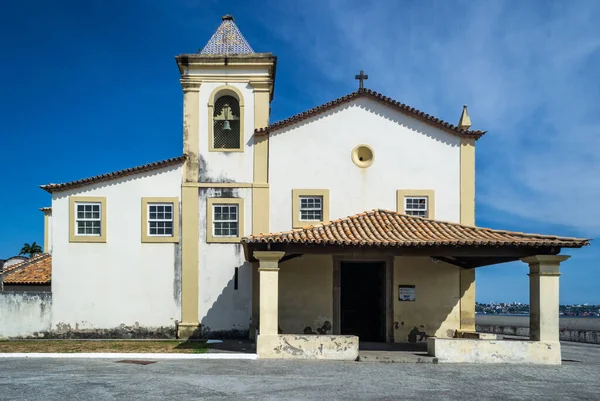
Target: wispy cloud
529	72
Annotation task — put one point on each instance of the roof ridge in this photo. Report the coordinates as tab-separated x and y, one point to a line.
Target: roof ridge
25	263
402	107
114	174
402	230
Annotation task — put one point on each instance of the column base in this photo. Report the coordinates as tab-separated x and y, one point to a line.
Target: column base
302	346
186	330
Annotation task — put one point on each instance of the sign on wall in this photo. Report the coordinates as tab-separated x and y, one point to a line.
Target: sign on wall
406	293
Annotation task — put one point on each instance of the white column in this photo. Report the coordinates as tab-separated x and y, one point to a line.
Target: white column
268	269
543	296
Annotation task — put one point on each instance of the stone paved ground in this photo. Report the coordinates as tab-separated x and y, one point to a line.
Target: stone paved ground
63	379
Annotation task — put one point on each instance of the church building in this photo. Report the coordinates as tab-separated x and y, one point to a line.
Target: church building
354	220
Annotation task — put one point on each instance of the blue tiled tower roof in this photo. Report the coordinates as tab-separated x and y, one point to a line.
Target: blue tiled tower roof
227	40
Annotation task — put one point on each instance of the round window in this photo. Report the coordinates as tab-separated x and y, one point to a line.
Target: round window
363	156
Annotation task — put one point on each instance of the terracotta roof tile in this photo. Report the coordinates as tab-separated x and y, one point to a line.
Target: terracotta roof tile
386	228
116	174
411	111
37	270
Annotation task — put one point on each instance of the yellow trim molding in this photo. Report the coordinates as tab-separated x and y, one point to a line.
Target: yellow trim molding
210	202
160	239
191	127
189	326
72	230
296	194
467	181
263	91
222	91
363	156
467	217
428	193
47	215
189	263
260	192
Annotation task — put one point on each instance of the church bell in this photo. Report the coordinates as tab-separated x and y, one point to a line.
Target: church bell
226	126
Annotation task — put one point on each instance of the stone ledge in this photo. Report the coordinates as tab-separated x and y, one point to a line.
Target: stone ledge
476	335
464	350
307	346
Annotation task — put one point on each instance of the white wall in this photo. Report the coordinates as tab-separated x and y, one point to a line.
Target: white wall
409	154
122	281
226	166
221	307
24	314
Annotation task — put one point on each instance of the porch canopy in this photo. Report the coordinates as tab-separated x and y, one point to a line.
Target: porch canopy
379	234
387	233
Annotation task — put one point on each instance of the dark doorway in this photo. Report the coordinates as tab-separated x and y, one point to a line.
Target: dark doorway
362	300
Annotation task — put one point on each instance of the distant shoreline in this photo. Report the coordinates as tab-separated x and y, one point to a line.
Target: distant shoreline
527	315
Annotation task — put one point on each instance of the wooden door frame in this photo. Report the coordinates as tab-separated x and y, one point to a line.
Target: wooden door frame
389	294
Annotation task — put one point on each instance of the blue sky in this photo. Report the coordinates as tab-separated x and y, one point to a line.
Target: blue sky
91	87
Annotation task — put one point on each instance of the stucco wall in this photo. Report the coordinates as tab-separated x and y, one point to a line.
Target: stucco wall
223	310
23	314
305	293
436	309
123	281
408	155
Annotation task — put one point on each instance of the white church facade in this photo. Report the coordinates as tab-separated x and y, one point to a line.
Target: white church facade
354	218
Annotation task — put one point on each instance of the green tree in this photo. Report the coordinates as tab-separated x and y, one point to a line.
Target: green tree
30	249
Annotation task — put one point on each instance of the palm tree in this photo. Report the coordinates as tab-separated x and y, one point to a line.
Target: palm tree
31	250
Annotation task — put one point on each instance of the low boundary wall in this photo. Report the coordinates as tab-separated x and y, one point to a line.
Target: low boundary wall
576	329
25	314
464	350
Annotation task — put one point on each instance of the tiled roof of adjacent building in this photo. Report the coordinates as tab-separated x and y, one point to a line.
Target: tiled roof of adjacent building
116	174
386	228
370	94
227	40
37	270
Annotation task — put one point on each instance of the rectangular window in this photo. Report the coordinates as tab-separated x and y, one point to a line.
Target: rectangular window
311	208
160	219
416	206
225	220
88	219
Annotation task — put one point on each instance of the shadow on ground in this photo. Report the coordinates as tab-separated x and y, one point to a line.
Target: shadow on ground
220	346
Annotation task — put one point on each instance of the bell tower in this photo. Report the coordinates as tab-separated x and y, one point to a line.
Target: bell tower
227	90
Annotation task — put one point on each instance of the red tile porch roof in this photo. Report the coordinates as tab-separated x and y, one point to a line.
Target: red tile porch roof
385	228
